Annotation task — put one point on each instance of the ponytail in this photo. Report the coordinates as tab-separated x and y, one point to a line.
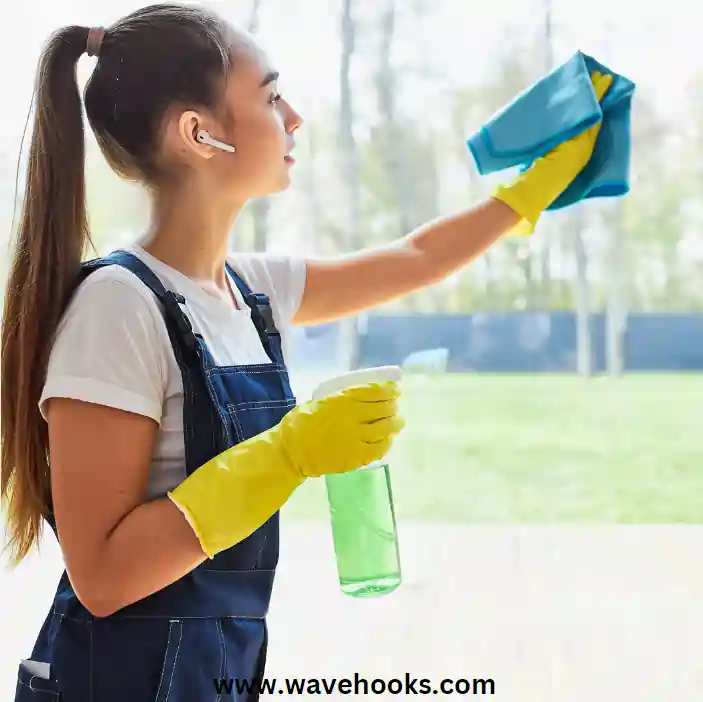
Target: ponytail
51	240
187	53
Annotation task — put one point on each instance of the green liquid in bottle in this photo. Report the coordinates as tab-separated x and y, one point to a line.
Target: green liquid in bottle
364	531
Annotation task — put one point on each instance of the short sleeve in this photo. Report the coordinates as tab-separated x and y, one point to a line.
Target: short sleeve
281	277
288	283
110	348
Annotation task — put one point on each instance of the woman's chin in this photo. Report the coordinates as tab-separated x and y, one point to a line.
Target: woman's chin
283	184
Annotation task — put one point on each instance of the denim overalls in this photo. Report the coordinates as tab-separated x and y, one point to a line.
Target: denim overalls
181	643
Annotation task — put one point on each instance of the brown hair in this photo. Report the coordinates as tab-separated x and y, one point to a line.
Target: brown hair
150	60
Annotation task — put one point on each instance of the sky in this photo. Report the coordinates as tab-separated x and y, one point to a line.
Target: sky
457	39
454	43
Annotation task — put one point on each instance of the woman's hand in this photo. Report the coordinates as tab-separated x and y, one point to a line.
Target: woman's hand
538	187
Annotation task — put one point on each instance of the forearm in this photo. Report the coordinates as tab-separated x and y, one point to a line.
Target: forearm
366	279
445	245
150	548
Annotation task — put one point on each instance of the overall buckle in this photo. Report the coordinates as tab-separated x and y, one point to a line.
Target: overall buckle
262	315
172	302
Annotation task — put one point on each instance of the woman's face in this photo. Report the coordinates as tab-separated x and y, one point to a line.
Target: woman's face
261	125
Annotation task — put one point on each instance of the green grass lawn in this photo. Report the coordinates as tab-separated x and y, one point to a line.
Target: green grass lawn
544	448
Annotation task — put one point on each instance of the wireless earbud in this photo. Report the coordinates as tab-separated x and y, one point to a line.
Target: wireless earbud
204	138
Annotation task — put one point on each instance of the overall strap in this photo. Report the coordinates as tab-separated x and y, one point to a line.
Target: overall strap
260	305
190	351
186	348
170	300
262	316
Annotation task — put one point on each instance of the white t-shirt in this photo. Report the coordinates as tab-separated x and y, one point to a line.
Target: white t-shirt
112	347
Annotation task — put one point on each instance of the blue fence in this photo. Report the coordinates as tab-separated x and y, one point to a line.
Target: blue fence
515	342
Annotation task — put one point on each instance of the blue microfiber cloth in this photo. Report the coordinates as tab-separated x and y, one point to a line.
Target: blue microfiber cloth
555	109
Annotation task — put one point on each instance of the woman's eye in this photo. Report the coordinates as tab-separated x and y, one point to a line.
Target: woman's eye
275	97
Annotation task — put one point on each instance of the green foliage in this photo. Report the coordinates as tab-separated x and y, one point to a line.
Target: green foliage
114	206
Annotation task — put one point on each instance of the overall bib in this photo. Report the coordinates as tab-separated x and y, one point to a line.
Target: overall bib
182	643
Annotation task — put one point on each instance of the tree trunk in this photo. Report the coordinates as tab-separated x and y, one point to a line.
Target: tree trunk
616	314
546	266
616	317
584	361
349	163
546	252
261	207
254	16
393	151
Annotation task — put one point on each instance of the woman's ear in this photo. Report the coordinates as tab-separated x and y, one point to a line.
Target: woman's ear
185	135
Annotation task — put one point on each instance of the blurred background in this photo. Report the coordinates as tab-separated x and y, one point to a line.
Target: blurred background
554	387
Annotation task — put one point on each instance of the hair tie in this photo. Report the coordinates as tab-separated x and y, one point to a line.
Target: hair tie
94	41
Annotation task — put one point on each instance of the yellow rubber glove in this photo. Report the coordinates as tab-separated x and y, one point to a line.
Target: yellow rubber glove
538	187
233	494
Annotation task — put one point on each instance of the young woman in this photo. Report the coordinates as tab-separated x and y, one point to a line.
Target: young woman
153	381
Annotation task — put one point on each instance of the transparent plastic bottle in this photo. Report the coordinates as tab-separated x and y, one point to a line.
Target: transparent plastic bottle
361	510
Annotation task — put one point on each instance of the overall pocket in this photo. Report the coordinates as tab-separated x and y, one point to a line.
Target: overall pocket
123	659
33	688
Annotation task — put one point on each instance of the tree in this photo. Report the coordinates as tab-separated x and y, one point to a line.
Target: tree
584	347
116	208
651	217
261	207
349	160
